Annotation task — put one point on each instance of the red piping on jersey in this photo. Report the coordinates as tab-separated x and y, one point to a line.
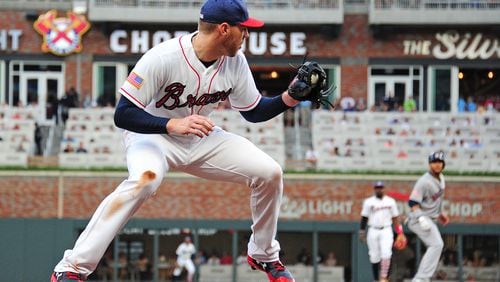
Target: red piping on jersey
132	97
398	196
249	106
194	70
211	79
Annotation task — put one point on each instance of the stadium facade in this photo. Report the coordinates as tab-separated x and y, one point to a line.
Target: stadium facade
434	51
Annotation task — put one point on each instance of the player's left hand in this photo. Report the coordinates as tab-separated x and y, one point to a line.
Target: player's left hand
401	242
362	235
443	219
310	85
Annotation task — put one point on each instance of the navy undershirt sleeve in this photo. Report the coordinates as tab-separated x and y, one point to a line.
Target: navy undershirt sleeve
364	221
412	203
266	109
130	117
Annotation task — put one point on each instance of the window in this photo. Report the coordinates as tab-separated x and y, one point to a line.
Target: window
108	78
390	86
3	97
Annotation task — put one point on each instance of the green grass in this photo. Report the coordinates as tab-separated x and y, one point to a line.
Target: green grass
309	171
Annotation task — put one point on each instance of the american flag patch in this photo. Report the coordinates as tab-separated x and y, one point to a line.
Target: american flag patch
135	80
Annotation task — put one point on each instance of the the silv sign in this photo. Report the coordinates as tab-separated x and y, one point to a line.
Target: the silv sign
453	45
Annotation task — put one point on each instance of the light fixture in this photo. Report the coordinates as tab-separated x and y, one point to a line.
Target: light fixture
460	75
490	75
274	74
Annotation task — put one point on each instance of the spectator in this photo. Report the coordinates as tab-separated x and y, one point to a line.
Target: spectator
389	102
489	105
123	267
471	105
311	158
144	267
348	104
361	105
409	104
69	148
20	148
201	258
81	148
331	259
242	258
69	100
38	139
304	108
213	259
304	257
226	259
461	105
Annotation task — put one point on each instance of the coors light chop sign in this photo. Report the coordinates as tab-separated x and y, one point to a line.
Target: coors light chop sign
454	45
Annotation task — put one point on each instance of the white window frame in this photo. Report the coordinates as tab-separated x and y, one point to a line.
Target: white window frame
19	72
121	75
454	86
2	83
395	78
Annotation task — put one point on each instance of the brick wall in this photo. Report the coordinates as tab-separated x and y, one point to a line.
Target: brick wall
330	199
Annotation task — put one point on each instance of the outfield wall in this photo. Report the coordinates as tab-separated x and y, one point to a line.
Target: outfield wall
43	212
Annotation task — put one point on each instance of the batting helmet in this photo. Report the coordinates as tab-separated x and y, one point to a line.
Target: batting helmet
437	157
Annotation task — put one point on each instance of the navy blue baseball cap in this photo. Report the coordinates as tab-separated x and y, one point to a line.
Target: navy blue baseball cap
378	184
233	12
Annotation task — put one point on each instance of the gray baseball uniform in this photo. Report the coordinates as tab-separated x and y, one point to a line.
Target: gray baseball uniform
429	192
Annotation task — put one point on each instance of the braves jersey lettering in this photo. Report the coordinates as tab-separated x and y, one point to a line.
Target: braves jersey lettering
375	209
437	195
176	86
174	91
379	211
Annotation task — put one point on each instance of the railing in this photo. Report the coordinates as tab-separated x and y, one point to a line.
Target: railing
262	4
437	4
36	4
176	11
438	12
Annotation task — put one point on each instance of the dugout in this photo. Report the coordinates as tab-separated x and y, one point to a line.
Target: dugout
44	213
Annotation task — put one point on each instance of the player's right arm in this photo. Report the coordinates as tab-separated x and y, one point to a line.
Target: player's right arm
417	195
365	213
144	81
130	117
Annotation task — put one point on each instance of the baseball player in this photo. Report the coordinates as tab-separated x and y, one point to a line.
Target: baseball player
426	208
185	252
164	108
380	213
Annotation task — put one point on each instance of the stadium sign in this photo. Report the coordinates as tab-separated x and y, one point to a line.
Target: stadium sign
10	36
451	44
61	36
258	43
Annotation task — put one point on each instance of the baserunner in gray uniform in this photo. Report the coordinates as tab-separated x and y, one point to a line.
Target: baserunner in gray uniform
426	208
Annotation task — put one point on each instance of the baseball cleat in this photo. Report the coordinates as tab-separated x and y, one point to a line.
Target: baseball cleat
275	270
66	277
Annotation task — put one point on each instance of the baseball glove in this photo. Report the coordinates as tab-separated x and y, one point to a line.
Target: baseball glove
400	243
310	84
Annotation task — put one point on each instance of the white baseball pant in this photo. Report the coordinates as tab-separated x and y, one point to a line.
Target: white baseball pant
379	243
434	243
221	156
187	263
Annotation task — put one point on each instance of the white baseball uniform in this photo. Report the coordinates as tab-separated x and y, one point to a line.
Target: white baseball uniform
170	81
184	253
380	237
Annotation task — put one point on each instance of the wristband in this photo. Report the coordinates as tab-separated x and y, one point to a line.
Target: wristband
399	229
